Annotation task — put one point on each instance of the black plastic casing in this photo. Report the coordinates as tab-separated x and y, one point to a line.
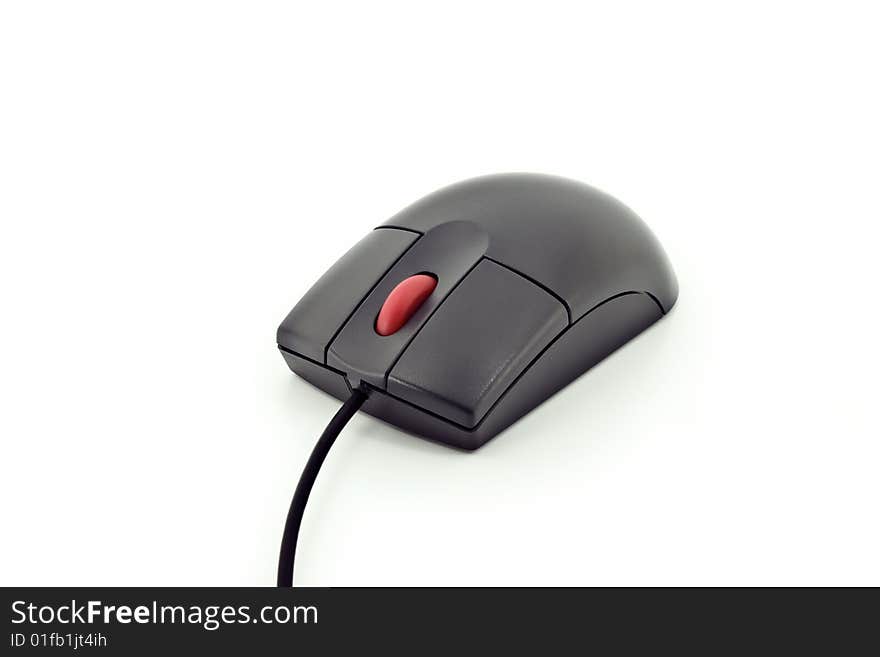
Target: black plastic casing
538	279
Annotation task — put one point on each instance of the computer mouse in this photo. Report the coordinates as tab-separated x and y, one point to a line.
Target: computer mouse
470	307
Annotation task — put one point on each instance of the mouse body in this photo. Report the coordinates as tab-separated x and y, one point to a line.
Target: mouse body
475	304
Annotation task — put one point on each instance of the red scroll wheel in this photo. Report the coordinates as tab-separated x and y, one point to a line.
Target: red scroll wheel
403	301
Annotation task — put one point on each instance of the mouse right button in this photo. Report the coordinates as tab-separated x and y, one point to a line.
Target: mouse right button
482	337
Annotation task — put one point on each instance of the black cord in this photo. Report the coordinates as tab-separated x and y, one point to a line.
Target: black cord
307	480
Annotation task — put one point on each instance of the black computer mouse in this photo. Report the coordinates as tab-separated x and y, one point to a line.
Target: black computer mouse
473	305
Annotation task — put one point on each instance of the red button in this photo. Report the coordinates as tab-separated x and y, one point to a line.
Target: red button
403	301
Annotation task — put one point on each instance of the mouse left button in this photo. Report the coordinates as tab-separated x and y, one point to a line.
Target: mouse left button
313	322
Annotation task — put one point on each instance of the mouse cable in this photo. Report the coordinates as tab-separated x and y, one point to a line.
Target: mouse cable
307	480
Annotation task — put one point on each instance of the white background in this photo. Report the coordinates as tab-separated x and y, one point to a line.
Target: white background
174	176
